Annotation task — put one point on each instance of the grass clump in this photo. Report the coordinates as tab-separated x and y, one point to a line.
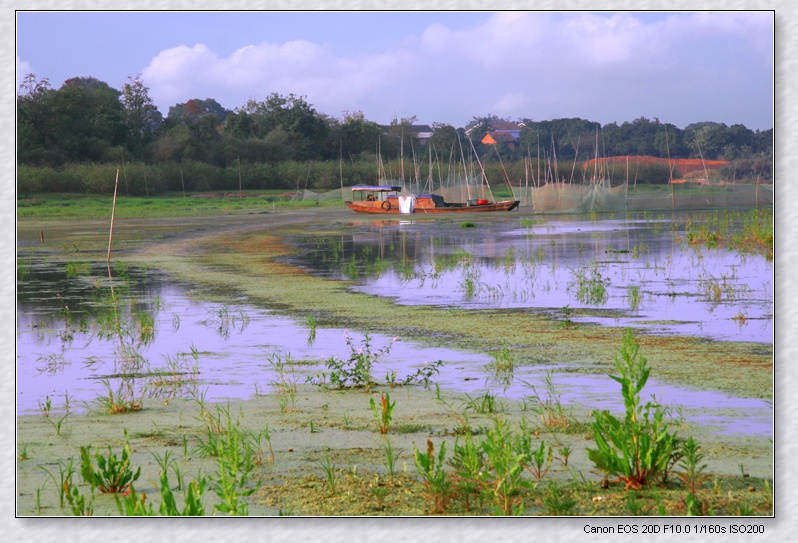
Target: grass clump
639	447
355	371
384	413
111	474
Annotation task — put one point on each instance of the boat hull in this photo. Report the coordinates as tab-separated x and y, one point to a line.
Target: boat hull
383	209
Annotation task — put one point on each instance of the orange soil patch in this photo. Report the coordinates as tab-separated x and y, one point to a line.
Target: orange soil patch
684	165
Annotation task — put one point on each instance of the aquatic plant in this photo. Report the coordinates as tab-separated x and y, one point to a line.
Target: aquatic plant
423	375
146	326
634	297
506	455
311	321
23	269
356	371
237	452
391	457
22	452
433	472
745	232
46	406
58	422
557	501
384	413
636	506
78	503
468	462
485	404
179	374
122	400
111	474
133	504
66	470
548	406
567	322
503	360
225	320
470	284
75	269
540	460
217	437
565	454
693	475
639	447
330	470
230	483
592	289
379	491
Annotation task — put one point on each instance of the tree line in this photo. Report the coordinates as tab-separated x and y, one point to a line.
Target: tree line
284	142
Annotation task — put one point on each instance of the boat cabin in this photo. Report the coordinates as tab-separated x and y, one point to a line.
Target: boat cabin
388	198
372	193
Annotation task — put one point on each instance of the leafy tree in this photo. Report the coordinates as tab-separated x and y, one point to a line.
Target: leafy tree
142	117
172	144
240	125
397	139
445	142
34	127
356	135
305	130
195	109
87	119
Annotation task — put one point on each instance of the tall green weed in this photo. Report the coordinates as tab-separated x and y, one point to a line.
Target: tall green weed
639	447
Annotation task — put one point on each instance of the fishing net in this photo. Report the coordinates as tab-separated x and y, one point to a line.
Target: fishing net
337	195
565	198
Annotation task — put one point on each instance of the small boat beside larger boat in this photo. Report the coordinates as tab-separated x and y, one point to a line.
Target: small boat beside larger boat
386	199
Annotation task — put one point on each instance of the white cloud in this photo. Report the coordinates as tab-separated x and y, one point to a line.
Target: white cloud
515	65
603	41
254	71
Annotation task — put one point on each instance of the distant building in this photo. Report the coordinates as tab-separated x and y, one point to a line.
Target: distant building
502	132
422	132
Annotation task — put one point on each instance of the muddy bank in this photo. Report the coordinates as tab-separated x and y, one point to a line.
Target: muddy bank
321	426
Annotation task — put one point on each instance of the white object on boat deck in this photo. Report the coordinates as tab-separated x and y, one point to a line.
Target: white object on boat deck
407	204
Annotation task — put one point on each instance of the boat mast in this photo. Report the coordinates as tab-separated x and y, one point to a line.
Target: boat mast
465	169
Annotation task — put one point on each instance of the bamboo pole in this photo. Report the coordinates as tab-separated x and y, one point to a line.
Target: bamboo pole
341	166
626	188
573	167
182	183
465	169
670	170
113	212
239	178
124	174
485	177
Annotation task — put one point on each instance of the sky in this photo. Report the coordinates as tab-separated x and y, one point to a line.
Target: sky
446	67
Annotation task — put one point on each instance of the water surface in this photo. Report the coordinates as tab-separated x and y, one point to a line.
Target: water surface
625	272
83	330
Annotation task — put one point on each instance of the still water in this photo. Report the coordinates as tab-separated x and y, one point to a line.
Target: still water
84	330
627	272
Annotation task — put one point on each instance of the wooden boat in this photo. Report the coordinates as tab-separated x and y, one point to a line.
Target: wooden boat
386	199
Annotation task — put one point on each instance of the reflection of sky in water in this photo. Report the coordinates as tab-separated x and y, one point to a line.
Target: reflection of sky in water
234	360
703	291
